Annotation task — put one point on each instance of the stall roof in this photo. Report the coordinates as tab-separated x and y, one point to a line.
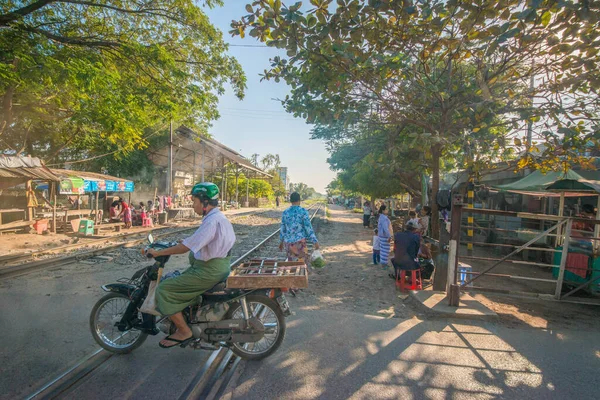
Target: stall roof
580	183
92	176
192	152
15	170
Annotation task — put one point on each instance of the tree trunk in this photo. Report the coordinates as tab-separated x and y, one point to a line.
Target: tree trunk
435	187
7	111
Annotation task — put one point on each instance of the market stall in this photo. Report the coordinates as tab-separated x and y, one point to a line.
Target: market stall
582	267
18	173
98	187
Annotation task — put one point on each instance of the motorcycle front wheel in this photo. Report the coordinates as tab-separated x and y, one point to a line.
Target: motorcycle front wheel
107	312
270	315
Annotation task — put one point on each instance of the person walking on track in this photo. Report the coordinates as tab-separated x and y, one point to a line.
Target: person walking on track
296	229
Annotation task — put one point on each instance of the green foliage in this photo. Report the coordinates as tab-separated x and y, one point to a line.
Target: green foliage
303	190
258	188
80	79
451	78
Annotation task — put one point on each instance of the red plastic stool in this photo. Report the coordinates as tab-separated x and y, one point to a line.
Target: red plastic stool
416	281
147	222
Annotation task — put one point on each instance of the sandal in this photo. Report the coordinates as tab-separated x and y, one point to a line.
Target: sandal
178	342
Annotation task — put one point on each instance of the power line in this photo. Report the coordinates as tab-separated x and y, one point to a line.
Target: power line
255	110
248	45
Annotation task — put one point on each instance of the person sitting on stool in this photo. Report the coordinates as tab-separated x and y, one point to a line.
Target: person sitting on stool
406	250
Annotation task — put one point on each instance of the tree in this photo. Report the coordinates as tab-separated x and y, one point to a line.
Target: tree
270	162
442	71
303	190
80	79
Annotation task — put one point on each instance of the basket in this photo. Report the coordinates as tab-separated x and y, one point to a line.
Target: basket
266	274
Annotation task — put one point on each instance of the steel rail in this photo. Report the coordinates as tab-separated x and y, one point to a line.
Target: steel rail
211	381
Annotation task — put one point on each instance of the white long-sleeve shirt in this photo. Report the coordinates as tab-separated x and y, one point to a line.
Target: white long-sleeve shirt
376	245
213	239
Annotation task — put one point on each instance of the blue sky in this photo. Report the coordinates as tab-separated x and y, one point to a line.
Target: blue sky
259	124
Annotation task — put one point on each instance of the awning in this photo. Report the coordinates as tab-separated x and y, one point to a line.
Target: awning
80	182
576	183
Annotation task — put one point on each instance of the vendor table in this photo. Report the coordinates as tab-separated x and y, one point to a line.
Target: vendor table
12	210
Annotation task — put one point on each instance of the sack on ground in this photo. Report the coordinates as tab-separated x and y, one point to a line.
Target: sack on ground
317	260
149	306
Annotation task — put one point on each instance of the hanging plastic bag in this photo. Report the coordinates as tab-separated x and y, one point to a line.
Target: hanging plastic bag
317	260
149	306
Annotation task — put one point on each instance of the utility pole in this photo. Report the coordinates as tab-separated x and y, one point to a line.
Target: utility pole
170	167
529	122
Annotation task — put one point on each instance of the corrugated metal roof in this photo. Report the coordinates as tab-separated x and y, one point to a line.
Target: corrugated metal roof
41	173
65	173
15	170
220	148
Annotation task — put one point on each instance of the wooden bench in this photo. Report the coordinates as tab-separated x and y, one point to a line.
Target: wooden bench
15	226
116	225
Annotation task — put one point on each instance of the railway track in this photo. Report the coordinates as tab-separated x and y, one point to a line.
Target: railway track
210	382
11	266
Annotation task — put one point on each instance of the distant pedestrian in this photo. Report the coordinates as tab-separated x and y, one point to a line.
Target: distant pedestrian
143	214
296	229
277	201
114	213
385	233
126	213
376	248
367	214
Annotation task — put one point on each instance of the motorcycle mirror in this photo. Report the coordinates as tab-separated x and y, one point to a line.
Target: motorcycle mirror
150	238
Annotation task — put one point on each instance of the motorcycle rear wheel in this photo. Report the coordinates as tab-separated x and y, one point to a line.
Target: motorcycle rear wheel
106	313
269	313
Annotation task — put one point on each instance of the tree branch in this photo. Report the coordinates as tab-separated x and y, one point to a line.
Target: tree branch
6	19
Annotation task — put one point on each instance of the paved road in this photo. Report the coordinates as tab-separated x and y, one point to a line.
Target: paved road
344	355
44	321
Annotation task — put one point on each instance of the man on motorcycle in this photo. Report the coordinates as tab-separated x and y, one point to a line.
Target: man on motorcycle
209	259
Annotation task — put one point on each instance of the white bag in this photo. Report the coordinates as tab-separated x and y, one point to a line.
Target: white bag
316	255
149	306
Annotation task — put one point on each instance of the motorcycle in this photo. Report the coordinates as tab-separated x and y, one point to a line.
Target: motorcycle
249	322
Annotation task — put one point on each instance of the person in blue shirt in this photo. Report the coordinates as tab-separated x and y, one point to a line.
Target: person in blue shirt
296	229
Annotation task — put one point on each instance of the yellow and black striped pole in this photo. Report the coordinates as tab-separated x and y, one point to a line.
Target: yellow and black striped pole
470	198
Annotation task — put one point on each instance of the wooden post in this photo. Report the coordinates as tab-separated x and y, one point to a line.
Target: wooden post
29	209
54	197
237	197
563	260
470	221
203	158
194	170
225	189
248	191
597	229
561	212
97	207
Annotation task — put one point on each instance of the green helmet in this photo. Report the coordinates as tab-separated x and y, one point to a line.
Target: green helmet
206	190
